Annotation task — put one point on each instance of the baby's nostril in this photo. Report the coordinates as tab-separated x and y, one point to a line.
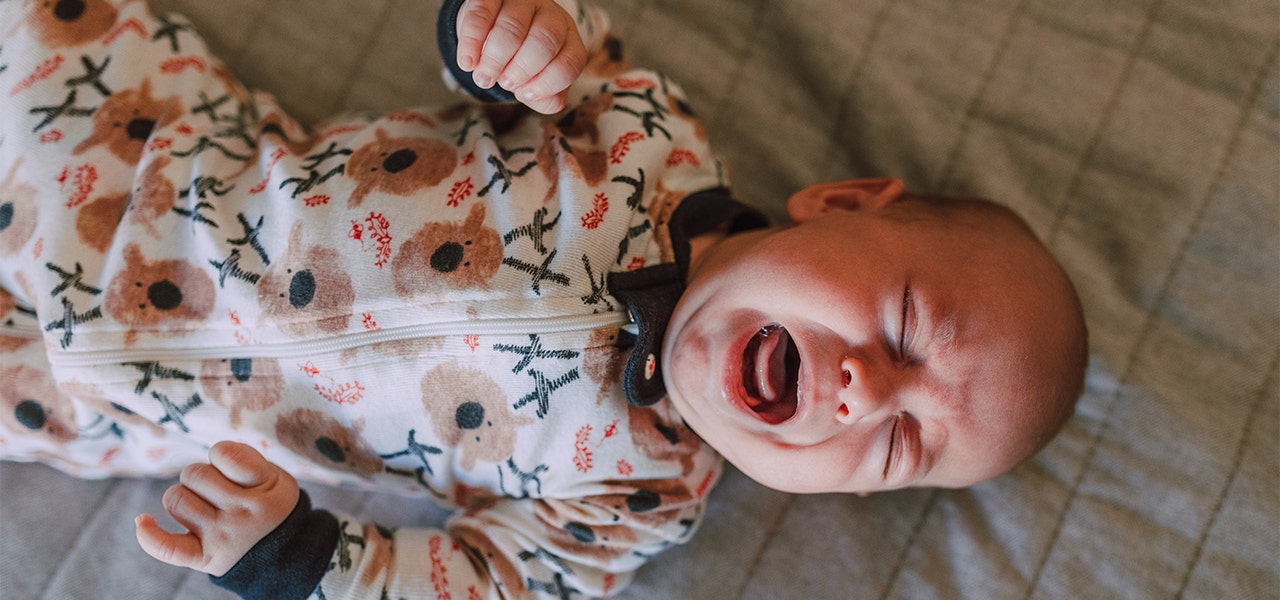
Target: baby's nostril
848	379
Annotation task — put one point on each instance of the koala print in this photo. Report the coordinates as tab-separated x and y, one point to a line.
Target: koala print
156	294
471	413
603	361
8	306
584	118
458	255
482	550
18	212
399	166
32	405
125	121
305	291
609	63
60	23
564	530
97	221
93	398
557	155
660	433
655	505
328	443
253	384
153	196
662	207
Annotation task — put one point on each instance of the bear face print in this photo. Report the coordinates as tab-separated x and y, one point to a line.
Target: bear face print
471	413
32	406
153	196
9	306
584	119
662	207
95	399
457	255
557	155
305	291
399	165
60	23
125	121
97	221
565	530
661	434
656	504
324	441
496	562
18	213
157	295
242	384
602	361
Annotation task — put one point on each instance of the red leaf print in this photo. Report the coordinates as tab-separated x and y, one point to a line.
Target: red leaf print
610	430
51	137
469	158
275	158
636	263
599	206
179	64
472	341
133	24
43	70
460	191
159	144
82	181
439	580
631	83
344	393
582	455
408	116
309	368
369	323
623	146
379	230
680	155
316	200
185	129
624	468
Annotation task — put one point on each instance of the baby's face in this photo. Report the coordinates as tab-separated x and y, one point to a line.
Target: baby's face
871	346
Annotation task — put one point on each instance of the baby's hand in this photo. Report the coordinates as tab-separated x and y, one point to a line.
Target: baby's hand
531	48
226	506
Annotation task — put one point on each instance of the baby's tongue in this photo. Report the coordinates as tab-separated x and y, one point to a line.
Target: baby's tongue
771	368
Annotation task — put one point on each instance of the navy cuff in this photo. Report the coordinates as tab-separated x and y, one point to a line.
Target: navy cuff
447	39
290	562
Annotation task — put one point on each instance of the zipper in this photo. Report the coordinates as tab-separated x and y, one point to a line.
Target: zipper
303	348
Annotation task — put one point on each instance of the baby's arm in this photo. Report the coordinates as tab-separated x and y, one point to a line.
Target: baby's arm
227	506
530	47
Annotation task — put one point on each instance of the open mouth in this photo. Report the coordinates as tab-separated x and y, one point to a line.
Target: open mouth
771	374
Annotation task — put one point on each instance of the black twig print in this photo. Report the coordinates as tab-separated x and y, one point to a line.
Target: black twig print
524	478
462	133
210	106
345	542
535	230
637	190
66	109
251	237
503	174
650	115
632	234
194	214
314	178
70	318
205	143
154	370
416	449
231	268
204	185
599	287
174	413
539	273
532	351
71	279
556	586
543	388
92	75
169	29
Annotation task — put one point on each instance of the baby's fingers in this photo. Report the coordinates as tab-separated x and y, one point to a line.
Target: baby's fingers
550	58
180	550
502	41
475	19
241	464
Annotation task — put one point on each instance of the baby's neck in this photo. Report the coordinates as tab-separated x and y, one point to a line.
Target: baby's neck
699	244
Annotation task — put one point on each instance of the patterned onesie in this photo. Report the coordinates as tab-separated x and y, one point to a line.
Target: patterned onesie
464	303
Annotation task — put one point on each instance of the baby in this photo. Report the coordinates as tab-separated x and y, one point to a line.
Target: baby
538	320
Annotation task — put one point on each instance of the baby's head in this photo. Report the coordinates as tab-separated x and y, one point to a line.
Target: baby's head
882	340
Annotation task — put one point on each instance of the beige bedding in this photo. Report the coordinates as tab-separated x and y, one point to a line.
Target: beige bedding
1139	137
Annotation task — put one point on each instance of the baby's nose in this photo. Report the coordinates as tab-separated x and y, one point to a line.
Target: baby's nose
862	393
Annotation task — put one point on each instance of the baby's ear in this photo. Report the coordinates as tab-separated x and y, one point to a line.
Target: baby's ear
851	195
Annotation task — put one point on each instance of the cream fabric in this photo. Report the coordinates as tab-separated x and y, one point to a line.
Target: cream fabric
1139	137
